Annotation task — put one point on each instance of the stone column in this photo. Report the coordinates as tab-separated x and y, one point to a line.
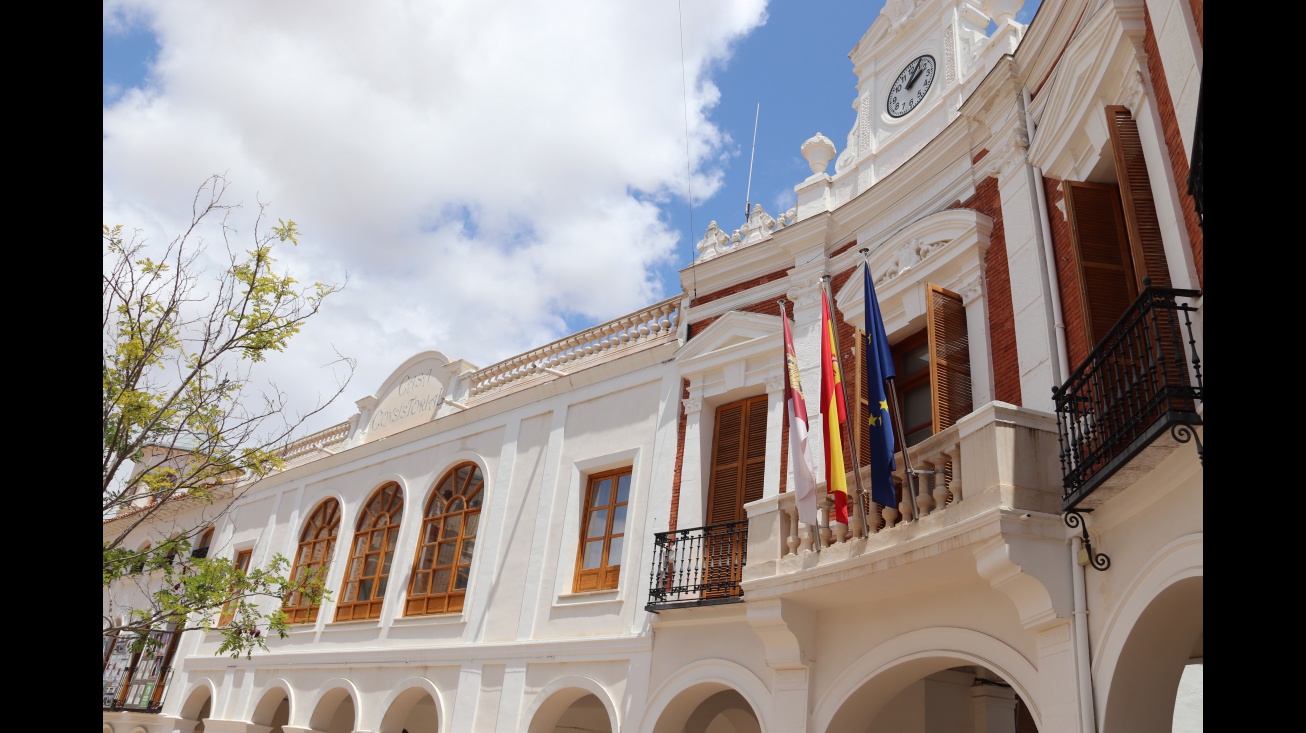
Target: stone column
772	481
994	708
1030	300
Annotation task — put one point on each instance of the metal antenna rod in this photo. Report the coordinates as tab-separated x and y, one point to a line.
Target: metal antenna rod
748	192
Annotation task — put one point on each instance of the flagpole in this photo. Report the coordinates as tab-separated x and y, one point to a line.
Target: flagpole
896	412
816	528
857	469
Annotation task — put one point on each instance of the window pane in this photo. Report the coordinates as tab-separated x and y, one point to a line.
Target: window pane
427	556
391	537
369	568
365	590
432	532
614	551
355	568
593	555
460	582
915	360
351	591
623	487
602	493
619	520
456	505
473	521
475	499
437	507
440	584
421	583
376	541
598	523
385	567
465	557
446	553
916	408
451	525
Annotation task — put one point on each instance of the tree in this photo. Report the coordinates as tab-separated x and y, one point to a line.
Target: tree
184	425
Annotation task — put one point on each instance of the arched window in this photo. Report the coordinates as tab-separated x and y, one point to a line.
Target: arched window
374	549
444	555
314	554
202	547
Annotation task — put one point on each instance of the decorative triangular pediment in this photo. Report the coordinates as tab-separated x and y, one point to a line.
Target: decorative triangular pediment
734	335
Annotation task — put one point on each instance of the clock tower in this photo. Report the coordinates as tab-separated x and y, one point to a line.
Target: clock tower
915	65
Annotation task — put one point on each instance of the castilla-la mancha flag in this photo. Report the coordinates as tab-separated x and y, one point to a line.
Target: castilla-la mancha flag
799	458
834	413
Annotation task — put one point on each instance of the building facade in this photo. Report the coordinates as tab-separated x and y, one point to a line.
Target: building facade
601	534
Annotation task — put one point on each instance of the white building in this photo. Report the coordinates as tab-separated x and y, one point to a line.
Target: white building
601	534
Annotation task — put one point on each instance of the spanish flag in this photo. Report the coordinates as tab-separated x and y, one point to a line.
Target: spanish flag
834	411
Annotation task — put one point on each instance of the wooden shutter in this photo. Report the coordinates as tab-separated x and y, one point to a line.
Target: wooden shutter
1106	274
1148	252
738	458
949	357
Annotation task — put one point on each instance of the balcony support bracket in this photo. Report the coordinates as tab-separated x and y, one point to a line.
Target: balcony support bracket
1074	519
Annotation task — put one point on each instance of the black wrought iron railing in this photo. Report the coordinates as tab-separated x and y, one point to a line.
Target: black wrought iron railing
698	567
1144	378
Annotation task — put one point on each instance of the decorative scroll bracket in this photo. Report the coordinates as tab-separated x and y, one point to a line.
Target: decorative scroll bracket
1074	519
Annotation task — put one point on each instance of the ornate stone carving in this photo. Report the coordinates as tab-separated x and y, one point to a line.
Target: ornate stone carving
774	384
864	119
806	295
907	255
949	57
900	11
692	405
972	289
1135	87
713	243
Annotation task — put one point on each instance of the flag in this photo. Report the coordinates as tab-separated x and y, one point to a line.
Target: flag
799	458
879	429
834	413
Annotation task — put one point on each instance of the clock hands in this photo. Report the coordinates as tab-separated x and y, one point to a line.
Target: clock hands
920	69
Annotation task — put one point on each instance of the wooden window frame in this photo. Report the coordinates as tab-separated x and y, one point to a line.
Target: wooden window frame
375	537
606	575
201	548
241	563
423	598
948	372
320	531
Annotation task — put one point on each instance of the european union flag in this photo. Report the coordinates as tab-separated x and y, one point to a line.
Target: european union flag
879	367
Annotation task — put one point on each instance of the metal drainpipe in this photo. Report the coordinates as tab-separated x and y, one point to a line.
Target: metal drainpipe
1044	233
1083	667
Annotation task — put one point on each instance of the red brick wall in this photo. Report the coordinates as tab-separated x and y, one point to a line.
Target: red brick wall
741	287
1063	248
1174	142
766	307
1196	5
674	514
1002	323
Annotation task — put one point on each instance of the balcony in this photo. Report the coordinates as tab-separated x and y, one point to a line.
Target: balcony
1132	401
135	681
698	567
969	481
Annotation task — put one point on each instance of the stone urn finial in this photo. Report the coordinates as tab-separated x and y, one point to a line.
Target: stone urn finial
1002	10
819	151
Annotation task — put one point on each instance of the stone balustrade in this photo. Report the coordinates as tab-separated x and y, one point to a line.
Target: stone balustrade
317	441
654	323
982	447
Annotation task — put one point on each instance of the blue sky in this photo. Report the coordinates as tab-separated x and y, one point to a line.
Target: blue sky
488	177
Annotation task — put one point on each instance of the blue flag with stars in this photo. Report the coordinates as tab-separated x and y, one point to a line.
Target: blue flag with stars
879	367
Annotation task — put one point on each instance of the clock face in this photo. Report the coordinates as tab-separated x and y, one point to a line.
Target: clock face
911	85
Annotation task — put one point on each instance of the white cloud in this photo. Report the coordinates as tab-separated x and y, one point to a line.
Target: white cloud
479	170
